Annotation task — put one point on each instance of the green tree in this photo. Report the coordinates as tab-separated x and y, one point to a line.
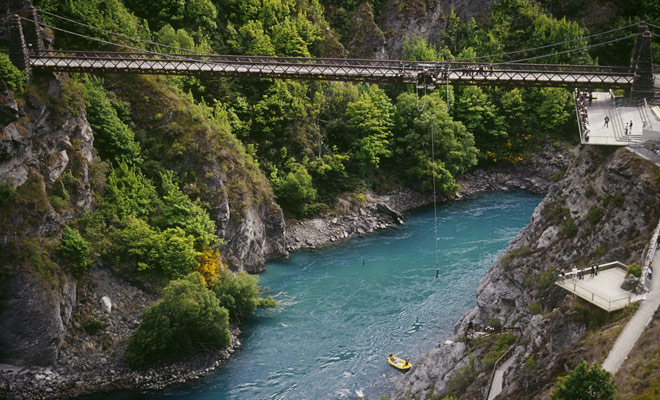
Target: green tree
238	293
178	211
585	383
128	192
295	190
13	77
188	318
75	249
369	120
454	145
113	139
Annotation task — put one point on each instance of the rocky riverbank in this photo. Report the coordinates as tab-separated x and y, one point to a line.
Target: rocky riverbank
380	211
603	208
91	361
91	358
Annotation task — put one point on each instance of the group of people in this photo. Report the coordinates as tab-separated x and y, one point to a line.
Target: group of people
629	126
580	273
582	99
393	359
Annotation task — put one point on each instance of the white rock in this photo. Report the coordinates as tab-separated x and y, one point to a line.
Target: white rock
106	304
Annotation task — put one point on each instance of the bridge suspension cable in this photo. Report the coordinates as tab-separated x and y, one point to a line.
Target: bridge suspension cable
459	59
545	46
119	34
168	55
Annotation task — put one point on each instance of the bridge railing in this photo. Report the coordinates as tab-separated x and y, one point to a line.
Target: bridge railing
402	64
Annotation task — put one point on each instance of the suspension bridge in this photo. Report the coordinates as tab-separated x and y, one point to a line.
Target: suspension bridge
28	53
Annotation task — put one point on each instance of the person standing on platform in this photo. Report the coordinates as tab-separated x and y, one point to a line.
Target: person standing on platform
607	121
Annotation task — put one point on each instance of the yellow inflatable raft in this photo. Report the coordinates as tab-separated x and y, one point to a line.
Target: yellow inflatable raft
398	363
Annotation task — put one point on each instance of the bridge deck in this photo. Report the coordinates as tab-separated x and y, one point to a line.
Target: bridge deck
387	71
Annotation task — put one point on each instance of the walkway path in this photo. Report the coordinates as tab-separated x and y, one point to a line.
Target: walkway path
496	387
634	328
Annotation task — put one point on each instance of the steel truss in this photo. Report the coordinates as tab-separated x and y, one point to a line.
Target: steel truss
379	71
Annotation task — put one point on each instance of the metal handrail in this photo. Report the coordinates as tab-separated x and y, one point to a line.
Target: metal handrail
501	360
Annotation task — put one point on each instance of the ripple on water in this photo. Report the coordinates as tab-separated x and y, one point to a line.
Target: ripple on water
339	318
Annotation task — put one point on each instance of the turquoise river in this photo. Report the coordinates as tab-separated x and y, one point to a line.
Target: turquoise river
344	308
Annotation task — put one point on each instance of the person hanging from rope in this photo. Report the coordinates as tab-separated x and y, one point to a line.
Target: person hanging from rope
437	273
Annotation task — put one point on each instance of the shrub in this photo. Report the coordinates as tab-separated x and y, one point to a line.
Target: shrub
188	318
210	265
296	189
504	341
634	270
530	363
239	293
76	250
128	192
7	194
569	228
179	211
13	77
594	215
92	326
585	383
138	247
617	199
534	308
113	139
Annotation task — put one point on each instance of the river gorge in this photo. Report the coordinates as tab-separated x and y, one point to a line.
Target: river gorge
345	307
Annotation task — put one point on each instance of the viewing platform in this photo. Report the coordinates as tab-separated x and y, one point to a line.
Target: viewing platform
593	108
603	290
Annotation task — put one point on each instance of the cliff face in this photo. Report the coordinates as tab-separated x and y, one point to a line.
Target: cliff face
50	173
382	37
215	169
603	209
43	135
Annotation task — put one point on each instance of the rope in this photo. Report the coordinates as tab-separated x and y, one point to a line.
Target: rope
435	212
423	98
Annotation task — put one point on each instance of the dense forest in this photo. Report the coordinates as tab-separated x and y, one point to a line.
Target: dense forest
313	141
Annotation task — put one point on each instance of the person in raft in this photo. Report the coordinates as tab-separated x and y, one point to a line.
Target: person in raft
407	362
392	357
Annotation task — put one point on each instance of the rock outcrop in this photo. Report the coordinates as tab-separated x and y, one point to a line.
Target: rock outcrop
604	208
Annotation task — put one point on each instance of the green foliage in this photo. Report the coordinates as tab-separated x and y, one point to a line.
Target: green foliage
76	250
7	194
93	326
535	308
113	139
568	228
137	247
634	270
239	294
369	122
462	377
13	77
501	345
110	15
585	383
128	192
188	318
453	144
294	191
594	215
530	364
178	211
617	199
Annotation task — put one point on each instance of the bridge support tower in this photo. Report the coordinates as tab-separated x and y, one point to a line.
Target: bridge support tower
642	64
24	36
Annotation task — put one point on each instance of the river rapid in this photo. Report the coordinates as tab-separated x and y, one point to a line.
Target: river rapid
344	308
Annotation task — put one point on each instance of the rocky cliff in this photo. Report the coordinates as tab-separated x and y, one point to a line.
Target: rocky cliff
381	36
603	208
50	174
